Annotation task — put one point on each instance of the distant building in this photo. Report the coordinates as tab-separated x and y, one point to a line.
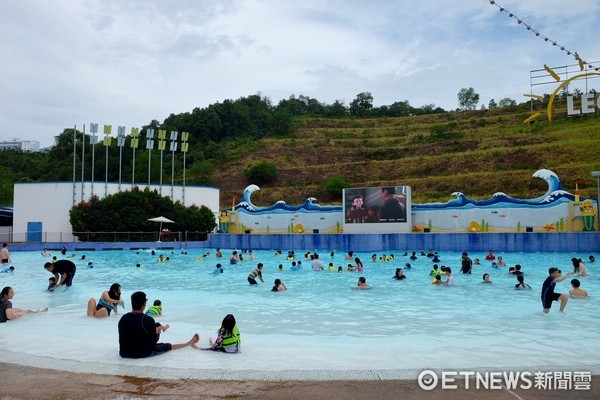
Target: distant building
18	144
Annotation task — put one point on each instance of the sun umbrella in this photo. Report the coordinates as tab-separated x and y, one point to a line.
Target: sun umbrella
161	219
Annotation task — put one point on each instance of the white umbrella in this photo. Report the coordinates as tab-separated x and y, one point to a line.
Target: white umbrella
161	219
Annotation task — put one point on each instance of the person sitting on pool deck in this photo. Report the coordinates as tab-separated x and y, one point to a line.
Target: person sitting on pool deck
256	273
548	295
65	268
7	312
228	337
139	333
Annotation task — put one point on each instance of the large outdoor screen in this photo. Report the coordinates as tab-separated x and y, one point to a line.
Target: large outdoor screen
373	207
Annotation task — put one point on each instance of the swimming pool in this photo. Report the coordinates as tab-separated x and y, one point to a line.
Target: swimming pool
321	328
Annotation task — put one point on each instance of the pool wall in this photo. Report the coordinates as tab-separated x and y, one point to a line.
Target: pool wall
513	242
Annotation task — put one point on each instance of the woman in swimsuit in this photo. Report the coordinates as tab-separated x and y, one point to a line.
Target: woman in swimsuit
108	302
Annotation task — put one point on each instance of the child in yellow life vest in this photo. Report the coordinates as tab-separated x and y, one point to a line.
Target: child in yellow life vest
228	337
155	310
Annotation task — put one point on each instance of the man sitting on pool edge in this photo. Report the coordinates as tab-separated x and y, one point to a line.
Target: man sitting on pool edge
138	332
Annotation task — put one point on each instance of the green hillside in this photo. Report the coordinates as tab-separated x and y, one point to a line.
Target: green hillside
478	153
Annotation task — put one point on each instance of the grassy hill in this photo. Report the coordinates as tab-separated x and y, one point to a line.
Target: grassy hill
478	153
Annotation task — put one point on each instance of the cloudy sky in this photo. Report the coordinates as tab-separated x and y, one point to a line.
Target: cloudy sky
126	62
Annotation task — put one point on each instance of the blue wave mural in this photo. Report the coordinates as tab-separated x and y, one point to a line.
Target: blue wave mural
555	194
460	214
309	205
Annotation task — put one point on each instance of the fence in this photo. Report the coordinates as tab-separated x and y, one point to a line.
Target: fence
66	237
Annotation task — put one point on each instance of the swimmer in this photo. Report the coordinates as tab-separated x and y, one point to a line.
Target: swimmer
399	275
391	257
362	283
592	259
256	273
161	258
430	253
511	270
278	286
518	270
280	267
407	266
450	279
218	270
521	285
332	254
234	258
486	279
340	269
331	267
436	257
413	256
576	291
218	253
359	265
579	267
501	262
351	267
45	253
51	283
490	256
443	270
138	265
294	266
90	265
7	270
374	258
349	256
476	262
437	280
434	271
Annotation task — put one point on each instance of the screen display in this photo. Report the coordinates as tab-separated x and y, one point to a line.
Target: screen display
383	204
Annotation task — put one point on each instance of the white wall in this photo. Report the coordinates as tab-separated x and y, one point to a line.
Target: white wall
50	202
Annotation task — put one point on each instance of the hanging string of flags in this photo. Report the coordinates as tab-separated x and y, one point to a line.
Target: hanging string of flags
520	21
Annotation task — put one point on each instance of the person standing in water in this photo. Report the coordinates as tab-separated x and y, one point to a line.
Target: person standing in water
548	295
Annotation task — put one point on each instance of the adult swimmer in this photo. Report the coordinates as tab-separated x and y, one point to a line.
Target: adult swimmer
65	268
109	301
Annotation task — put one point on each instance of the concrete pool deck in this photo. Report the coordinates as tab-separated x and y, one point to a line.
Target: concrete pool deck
19	382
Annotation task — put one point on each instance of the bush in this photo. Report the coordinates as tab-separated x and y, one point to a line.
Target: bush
261	172
334	185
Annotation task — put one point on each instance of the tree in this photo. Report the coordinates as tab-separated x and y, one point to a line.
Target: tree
334	185
468	99
362	105
261	172
506	102
492	104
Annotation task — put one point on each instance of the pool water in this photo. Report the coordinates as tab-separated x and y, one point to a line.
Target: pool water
321	328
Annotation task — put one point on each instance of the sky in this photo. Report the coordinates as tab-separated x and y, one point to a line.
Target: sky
126	62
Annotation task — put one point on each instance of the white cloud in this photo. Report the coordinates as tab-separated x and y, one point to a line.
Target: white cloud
128	62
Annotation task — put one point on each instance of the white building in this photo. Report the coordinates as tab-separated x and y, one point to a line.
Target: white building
41	210
18	144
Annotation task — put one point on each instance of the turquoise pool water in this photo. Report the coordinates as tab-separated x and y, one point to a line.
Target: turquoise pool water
321	328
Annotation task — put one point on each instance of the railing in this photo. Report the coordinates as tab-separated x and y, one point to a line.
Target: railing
67	237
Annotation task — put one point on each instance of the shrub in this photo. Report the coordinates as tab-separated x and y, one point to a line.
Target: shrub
261	172
334	185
